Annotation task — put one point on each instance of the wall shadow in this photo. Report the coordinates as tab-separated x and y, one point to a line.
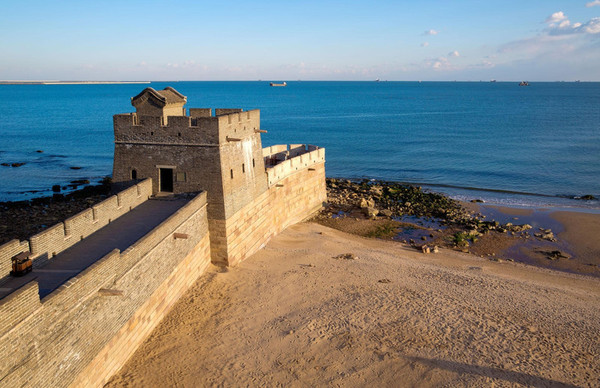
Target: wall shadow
497	373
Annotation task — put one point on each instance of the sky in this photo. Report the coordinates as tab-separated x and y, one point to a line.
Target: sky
399	40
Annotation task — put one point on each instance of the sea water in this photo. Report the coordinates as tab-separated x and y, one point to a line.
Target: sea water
536	145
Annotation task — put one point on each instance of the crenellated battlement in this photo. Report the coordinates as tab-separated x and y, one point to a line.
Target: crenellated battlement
45	245
283	160
200	127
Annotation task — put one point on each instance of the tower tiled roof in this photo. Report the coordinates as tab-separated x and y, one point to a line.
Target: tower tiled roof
166	96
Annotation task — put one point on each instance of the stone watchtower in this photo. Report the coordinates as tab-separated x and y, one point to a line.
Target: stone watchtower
221	154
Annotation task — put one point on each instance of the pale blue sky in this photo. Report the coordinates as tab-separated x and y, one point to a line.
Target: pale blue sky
309	40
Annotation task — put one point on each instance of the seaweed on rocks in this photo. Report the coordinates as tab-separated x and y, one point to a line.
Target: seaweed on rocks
378	198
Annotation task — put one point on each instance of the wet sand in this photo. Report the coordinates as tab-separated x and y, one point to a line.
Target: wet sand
293	315
582	232
577	235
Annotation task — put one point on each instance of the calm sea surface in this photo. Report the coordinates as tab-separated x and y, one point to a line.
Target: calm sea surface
536	145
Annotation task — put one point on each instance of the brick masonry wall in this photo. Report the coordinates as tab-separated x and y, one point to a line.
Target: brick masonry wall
7	251
296	196
81	329
221	155
243	173
18	306
61	236
148	129
291	166
275	149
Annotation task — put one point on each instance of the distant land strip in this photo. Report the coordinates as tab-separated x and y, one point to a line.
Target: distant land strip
70	82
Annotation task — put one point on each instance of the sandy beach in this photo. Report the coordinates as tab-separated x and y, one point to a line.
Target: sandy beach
295	315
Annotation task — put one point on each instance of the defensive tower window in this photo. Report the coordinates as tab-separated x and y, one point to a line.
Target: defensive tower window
243	168
133	174
231	173
253	164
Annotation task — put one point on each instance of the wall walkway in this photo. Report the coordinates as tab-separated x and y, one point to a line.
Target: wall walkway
83	331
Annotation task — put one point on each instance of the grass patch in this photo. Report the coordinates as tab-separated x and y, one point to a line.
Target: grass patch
385	230
462	239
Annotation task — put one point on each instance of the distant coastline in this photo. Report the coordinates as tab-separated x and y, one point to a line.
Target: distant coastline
70	82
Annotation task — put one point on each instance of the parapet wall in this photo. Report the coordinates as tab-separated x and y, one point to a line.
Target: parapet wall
198	128
84	331
47	244
298	157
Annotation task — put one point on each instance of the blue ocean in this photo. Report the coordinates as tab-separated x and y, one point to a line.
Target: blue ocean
536	145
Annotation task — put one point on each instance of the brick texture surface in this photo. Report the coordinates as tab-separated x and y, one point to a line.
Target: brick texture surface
78	336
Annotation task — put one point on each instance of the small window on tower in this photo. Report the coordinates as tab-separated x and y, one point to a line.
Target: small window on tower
133	174
253	164
231	173
181	177
243	168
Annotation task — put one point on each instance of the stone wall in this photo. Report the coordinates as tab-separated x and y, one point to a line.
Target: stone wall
293	164
47	244
83	332
297	190
200	166
200	129
220	154
243	174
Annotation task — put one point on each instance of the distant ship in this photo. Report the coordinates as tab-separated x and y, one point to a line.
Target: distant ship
277	84
524	83
493	80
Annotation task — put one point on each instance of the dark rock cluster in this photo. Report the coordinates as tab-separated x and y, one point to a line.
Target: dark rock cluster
379	199
394	200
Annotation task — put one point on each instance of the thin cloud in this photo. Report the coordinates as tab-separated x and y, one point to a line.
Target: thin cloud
593	3
442	63
591	27
431	32
424	44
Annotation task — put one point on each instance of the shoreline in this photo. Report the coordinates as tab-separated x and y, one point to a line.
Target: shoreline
576	234
587	203
543	237
574	231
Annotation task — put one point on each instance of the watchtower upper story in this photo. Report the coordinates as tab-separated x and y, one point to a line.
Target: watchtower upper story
159	103
220	153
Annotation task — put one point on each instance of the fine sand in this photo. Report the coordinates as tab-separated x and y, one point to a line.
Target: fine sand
293	315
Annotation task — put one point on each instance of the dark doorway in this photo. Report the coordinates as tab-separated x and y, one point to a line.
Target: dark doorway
166	180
